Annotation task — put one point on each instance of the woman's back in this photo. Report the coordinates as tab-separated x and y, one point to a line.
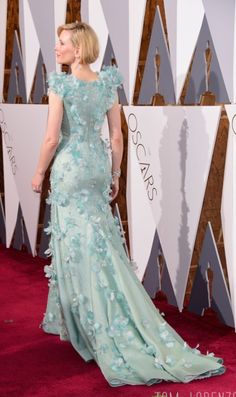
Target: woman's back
85	102
82	159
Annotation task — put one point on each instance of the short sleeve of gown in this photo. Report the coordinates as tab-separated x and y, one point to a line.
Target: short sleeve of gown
114	80
56	83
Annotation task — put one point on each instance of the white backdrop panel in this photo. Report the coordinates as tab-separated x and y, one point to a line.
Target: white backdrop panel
224	39
10	190
142	225
3	24
26	125
228	205
184	19
174	154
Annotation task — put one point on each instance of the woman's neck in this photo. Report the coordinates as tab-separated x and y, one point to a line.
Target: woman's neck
83	68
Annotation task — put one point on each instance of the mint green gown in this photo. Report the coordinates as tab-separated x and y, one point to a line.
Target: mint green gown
95	300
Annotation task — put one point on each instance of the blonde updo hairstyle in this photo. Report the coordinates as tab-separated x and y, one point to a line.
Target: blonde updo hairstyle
84	36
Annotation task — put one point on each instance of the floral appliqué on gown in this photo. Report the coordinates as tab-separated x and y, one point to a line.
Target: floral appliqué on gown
95	300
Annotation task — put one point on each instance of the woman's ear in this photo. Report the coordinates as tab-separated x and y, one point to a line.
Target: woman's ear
77	52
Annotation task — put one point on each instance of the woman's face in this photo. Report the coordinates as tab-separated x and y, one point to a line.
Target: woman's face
66	53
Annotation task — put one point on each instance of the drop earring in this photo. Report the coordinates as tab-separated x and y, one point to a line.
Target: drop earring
78	64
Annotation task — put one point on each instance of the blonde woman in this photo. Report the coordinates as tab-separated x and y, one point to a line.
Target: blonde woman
95	300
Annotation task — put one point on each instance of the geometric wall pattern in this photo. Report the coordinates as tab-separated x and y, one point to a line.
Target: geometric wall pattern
217	297
38	31
224	39
184	19
126	41
3	23
228	207
92	13
198	84
170	147
157	78
17	85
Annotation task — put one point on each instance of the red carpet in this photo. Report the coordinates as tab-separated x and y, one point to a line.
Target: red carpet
35	364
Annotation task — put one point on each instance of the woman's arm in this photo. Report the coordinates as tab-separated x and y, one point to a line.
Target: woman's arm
50	141
116	138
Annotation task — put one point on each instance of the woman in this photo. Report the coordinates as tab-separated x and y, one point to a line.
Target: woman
95	300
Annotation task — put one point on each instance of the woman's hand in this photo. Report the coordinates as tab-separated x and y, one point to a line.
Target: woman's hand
37	182
114	187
